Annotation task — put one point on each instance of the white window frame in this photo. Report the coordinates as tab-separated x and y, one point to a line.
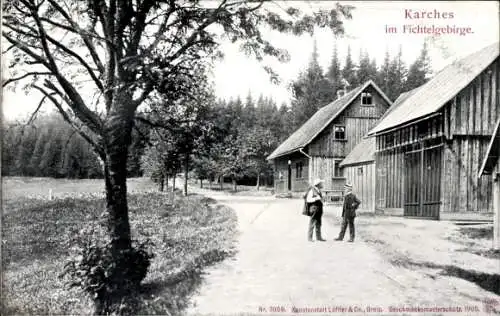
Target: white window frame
334	132
365	95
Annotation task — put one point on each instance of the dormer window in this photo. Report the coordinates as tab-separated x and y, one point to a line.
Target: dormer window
366	99
339	132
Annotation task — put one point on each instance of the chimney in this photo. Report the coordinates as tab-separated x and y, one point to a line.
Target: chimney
343	91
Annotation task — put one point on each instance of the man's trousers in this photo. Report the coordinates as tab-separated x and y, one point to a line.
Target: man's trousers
315	222
347	221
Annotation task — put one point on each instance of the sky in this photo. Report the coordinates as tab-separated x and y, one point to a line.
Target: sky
376	26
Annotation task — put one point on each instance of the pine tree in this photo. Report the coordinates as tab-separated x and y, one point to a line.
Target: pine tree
10	146
49	163
249	112
384	74
285	122
25	151
419	70
397	76
334	74
41	139
364	70
349	70
311	91
373	70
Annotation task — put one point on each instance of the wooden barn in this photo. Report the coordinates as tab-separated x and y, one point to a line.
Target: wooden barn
430	145
491	167
359	170
316	149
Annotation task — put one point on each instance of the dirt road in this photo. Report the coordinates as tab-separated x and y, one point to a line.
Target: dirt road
277	271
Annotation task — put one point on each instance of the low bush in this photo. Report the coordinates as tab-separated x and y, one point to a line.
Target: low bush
108	277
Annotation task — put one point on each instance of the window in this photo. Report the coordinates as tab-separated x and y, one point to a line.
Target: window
337	172
366	98
360	171
389	140
339	132
423	129
298	169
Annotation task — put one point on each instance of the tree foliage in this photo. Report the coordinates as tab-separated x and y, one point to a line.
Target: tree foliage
311	91
419	71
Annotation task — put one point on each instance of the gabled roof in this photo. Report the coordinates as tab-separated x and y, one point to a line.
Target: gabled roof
319	121
402	97
493	152
363	152
434	94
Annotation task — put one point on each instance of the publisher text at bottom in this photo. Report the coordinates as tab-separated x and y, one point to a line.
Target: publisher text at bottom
369	309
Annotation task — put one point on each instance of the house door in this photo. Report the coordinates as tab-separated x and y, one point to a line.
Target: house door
423	183
289	178
381	187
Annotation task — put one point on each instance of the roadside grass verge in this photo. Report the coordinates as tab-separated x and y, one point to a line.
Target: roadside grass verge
188	235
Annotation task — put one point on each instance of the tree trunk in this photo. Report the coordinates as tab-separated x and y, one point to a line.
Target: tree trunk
221	182
173	181
258	181
234	184
186	169
117	138
210	182
201	183
161	183
166	181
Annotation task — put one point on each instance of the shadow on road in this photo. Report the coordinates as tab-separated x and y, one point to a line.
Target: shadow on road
489	282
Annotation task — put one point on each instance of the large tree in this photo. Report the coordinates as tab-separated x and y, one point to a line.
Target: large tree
419	71
383	76
334	73
123	51
397	76
349	70
185	125
311	91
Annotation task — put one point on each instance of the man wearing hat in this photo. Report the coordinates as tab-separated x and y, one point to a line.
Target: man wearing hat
351	203
314	205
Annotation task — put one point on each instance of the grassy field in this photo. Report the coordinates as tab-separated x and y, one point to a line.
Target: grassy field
187	235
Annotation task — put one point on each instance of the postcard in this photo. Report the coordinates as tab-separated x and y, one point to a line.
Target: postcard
250	157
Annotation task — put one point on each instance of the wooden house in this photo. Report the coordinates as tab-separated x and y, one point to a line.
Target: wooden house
430	145
316	149
491	167
359	170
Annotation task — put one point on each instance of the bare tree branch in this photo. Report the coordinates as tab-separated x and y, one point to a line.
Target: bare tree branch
98	148
86	39
6	82
8	49
80	59
77	104
144	137
150	123
25	48
59	25
83	113
32	118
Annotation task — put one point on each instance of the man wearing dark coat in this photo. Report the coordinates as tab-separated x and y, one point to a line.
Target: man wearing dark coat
313	200
351	203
